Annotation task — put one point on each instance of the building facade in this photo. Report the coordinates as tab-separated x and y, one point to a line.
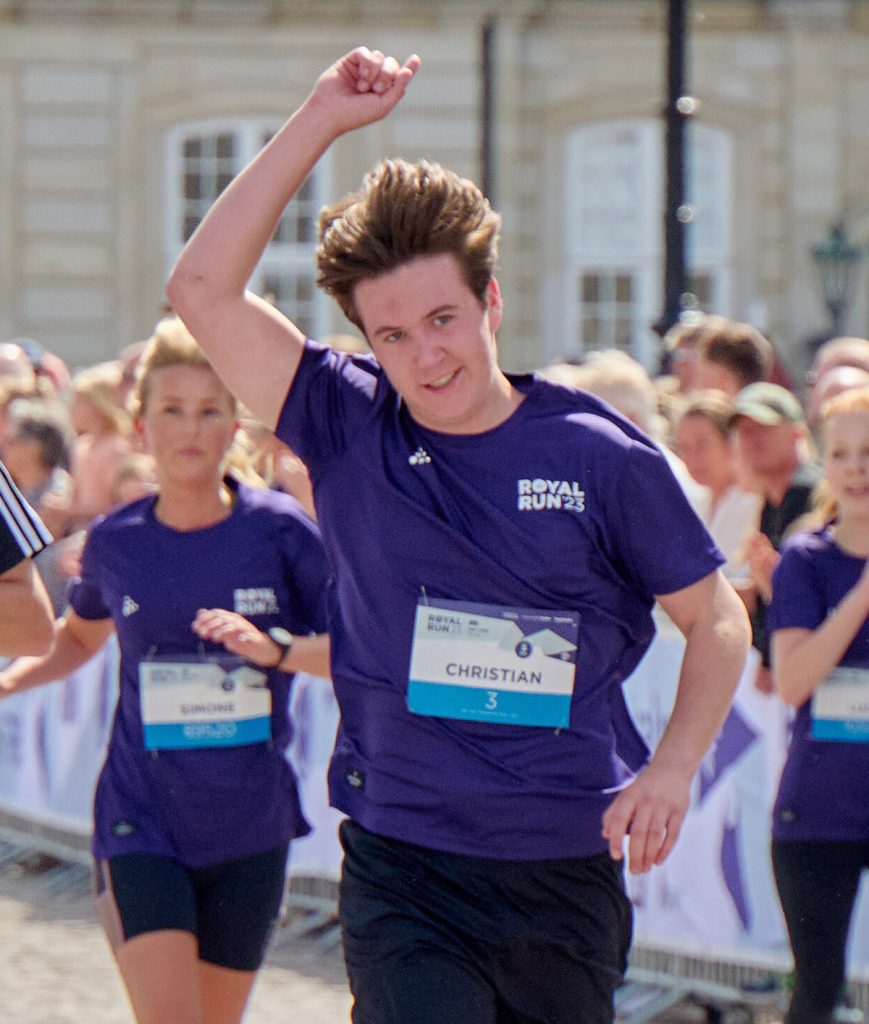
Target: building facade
121	120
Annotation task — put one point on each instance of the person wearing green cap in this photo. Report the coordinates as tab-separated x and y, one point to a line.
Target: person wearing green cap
773	443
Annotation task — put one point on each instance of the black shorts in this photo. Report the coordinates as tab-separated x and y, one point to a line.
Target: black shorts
231	908
438	938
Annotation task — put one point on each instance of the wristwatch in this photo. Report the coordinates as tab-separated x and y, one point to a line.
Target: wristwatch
284	639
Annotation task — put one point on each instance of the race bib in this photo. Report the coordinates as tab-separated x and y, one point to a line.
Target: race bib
840	707
488	663
200	702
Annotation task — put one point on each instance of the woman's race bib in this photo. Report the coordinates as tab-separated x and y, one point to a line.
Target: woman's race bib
840	706
203	702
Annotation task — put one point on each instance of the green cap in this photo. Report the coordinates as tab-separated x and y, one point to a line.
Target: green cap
768	404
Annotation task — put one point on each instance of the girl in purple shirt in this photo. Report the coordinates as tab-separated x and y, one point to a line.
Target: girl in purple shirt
205	582
820	648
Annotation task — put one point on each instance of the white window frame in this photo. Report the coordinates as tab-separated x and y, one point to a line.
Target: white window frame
643	258
280	258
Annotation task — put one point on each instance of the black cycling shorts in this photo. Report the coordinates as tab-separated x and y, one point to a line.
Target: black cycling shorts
438	938
231	908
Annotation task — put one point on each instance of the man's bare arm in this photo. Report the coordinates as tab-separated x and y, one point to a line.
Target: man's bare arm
651	810
253	346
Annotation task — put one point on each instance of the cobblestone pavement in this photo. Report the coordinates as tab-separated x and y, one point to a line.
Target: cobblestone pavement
55	966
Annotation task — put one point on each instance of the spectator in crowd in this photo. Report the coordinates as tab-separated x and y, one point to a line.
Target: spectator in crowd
772	439
833	354
51	373
828	354
26	620
16	370
431	470
819	621
833	381
9	393
135	478
669	401
103	441
704	442
213	587
618	379
278	465
345	342
731	355
680	351
844	351
128	360
274	460
621	381
37	450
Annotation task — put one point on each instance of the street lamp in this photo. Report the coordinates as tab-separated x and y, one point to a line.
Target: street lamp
837	261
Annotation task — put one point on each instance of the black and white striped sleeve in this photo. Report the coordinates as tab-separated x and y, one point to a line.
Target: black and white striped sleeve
22	533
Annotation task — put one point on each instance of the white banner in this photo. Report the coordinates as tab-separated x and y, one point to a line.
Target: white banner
714	897
315	719
52	745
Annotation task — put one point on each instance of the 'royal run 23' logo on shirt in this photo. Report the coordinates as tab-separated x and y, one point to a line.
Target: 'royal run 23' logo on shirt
255	601
538	494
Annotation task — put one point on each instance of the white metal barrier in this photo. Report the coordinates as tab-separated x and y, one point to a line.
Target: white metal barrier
709	915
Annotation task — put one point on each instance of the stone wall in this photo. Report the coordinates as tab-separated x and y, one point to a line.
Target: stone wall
88	89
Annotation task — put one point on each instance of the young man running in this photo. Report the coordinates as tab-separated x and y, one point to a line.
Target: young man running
498	544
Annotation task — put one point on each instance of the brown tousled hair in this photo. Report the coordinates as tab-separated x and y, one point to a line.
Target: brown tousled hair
401	212
738	346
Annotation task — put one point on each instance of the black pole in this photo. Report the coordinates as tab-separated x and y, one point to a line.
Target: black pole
487	113
674	122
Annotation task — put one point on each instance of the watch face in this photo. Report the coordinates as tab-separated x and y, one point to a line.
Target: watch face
281	636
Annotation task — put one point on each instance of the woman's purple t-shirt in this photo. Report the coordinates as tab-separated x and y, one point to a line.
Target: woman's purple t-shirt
208	805
564	506
824	787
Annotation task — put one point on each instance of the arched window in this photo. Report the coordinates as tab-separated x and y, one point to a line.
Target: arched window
614	243
202	159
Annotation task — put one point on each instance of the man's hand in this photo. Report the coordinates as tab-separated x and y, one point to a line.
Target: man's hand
651	810
650	813
255	348
362	87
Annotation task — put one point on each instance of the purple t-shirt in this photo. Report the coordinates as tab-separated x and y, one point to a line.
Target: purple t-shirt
824	788
207	805
564	506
